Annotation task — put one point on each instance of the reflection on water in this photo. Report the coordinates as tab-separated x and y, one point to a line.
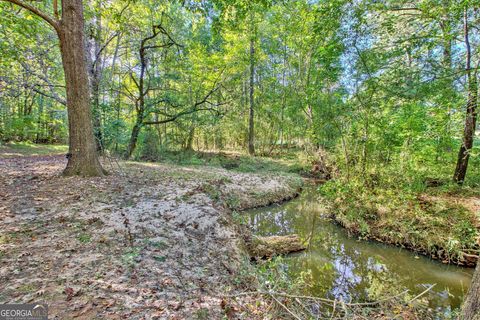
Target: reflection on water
339	266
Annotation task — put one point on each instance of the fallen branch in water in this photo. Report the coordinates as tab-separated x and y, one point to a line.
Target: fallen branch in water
330	301
421	294
299	306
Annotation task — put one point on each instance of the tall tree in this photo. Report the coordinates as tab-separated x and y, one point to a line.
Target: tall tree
471	115
142	87
82	157
251	113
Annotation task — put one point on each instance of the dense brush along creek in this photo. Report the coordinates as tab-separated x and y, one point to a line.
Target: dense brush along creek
340	266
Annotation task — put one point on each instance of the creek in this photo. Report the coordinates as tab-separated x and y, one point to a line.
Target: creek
337	265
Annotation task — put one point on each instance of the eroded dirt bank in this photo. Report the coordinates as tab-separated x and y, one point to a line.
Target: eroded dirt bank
155	243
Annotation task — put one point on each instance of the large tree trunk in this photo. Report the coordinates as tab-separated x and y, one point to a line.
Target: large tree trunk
82	156
251	132
471	306
471	116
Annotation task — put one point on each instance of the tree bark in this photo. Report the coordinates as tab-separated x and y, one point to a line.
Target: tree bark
82	156
471	306
95	71
471	115
251	132
267	247
134	136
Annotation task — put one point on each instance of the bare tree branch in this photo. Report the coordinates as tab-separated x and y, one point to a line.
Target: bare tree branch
195	107
178	115
55	8
51	96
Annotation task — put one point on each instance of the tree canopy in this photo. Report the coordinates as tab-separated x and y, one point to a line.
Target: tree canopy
382	82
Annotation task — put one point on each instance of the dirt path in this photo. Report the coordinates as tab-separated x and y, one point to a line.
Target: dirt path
157	243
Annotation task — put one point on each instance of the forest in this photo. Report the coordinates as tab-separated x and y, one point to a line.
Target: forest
240	159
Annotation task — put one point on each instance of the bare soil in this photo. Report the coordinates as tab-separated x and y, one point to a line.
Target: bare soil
151	241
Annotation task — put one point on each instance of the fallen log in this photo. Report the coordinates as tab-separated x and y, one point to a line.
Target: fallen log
267	247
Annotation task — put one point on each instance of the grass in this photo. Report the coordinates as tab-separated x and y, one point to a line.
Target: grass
385	205
22	149
84	238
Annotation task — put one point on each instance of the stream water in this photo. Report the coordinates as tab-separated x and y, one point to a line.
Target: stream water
337	265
